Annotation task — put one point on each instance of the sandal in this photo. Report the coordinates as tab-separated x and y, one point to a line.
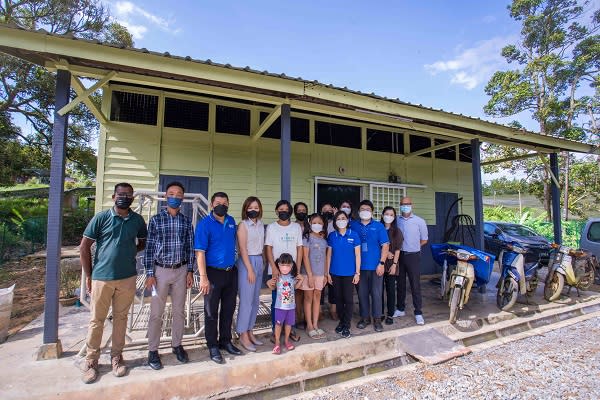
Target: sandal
295	337
314	334
321	333
277	350
289	347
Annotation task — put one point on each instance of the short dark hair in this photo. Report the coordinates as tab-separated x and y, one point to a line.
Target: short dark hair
286	258
366	203
175	183
298	204
282	202
337	214
219	194
325	204
247	203
123	185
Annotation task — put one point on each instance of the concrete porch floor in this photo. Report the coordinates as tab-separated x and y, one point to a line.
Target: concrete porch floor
306	367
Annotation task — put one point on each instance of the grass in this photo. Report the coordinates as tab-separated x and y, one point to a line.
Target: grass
23	186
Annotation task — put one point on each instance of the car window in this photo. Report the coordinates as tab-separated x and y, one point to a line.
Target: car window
518	230
594	232
489	229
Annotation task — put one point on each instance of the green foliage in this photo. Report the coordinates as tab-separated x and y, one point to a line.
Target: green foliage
504	185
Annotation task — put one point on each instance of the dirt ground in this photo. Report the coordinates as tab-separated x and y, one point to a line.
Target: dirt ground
29	275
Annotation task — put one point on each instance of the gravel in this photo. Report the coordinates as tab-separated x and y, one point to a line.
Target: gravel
561	364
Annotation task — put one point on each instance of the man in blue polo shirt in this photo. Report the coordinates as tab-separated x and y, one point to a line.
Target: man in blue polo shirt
215	255
374	244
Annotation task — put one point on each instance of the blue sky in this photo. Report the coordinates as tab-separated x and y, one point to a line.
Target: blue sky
436	53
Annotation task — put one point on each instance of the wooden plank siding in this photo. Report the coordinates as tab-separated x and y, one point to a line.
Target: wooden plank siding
241	167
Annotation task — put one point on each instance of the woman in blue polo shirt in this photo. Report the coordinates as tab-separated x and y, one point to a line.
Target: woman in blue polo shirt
342	269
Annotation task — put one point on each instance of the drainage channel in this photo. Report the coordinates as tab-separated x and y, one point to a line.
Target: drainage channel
329	378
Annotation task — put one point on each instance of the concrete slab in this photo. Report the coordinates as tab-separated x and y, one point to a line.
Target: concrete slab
431	347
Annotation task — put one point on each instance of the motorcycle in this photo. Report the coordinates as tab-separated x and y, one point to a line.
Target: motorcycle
573	267
462	266
515	276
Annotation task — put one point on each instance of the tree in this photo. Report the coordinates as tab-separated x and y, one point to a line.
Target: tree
558	61
28	90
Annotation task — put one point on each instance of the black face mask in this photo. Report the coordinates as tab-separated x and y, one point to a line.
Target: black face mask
284	215
123	203
252	214
220	210
301	216
328	215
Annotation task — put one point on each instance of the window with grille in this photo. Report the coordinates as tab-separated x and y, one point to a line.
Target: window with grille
385	141
337	135
299	128
233	120
449	153
136	108
419	143
464	153
186	114
385	195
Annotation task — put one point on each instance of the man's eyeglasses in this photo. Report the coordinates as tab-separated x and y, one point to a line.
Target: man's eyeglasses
124	195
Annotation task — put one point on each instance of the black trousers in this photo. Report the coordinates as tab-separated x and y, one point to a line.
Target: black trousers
344	296
223	293
392	292
409	265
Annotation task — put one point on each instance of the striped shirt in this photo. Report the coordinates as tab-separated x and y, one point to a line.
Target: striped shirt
170	241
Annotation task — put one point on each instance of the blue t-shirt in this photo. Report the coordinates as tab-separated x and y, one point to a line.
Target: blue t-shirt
217	240
372	237
343	259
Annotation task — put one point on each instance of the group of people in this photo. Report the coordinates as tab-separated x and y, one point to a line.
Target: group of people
338	250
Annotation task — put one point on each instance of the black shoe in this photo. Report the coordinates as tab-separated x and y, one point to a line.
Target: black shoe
215	355
346	332
362	324
182	355
154	360
389	321
339	328
382	318
231	349
377	325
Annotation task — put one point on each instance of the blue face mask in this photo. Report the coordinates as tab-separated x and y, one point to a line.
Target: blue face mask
406	209
174	202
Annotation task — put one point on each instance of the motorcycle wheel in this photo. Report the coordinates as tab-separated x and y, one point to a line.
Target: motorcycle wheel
454	302
588	279
554	287
507	294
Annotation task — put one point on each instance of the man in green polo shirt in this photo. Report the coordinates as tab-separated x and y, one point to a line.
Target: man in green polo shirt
119	233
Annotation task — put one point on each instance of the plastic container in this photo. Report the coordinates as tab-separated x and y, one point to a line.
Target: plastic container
6	301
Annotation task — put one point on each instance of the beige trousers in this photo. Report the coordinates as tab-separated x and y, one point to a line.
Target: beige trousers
119	294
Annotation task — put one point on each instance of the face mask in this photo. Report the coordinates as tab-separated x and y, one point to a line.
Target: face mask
342	223
174	202
252	214
316	228
346	210
123	203
406	209
220	210
365	215
388	219
301	216
328	215
283	215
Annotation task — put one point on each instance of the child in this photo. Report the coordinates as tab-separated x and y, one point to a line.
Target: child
285	305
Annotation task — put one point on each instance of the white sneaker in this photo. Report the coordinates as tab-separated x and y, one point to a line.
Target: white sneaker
420	320
398	313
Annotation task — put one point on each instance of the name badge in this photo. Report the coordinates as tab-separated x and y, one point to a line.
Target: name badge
363	247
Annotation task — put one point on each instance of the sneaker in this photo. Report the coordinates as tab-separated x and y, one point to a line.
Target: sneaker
362	324
346	332
118	367
389	321
420	320
339	328
90	371
398	314
377	325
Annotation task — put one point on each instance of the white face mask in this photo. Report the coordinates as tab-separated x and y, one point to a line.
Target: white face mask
316	228
365	215
346	210
342	223
388	219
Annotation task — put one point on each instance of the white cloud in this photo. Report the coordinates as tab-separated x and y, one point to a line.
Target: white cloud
473	66
138	20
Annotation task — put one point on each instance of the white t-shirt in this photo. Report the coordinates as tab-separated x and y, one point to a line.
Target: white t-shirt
283	239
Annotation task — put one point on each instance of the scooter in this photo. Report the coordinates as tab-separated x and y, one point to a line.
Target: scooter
571	267
515	277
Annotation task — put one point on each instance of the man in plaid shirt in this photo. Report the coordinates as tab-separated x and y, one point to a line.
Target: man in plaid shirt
169	261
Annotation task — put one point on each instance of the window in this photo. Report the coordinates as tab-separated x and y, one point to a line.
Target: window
233	120
134	107
186	114
389	142
299	128
449	153
337	135
464	153
419	143
594	232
